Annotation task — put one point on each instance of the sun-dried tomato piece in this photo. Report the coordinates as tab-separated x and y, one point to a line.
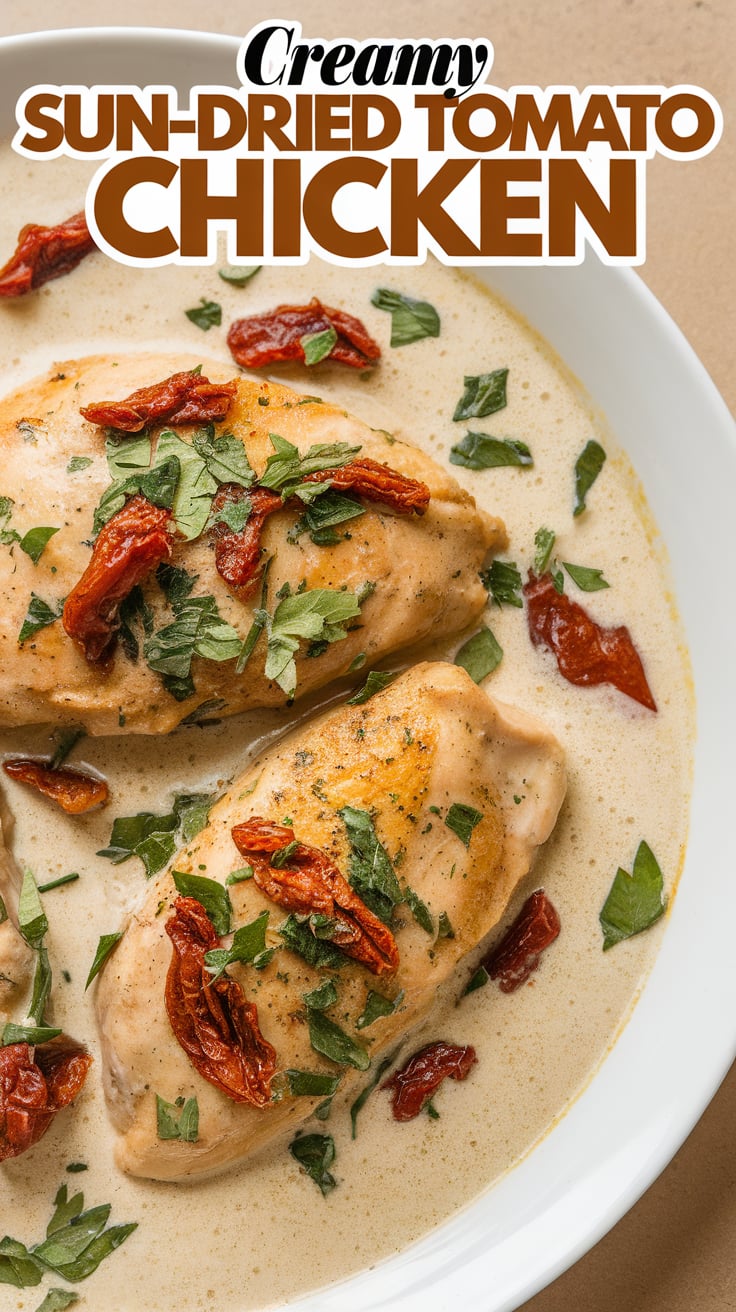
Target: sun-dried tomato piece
75	791
518	953
376	482
211	1019
271	338
421	1076
34	1086
45	253
185	398
309	883
128	547
586	652
238	553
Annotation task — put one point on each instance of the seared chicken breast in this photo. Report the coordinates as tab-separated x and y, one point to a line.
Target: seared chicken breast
398	828
16	958
175	641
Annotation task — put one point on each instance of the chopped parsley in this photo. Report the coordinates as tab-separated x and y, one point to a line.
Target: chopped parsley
286	468
76	1242
544	541
248	946
39	615
371	872
317	346
212	896
317	616
376	1006
78	462
152	837
588	580
375	682
330	1041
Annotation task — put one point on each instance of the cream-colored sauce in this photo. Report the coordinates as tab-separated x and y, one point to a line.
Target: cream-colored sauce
263	1233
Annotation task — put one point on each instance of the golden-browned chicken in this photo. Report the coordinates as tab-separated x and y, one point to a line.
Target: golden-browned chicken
367	853
211	542
16	957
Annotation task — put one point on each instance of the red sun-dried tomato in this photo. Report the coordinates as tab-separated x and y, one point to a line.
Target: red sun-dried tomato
309	883
137	538
264	339
34	1086
518	953
586	652
211	1019
45	253
238	552
184	398
421	1076
75	791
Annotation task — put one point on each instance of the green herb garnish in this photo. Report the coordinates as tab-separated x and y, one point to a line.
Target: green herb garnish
58	883
321	517
316	616
65	739
317	346
206	315
478	980
78	462
34	542
312	1084
212	896
635	900
238	274
544	541
376	1006
330	1041
462	820
104	948
324	996
587	468
371	872
588	580
32	921
366	1092
57	1300
480	655
484	394
315	1153
248	946
27	1034
298	933
480	451
503	582
286	468
419	910
375	682
153	838
177	1120
39	615
411	320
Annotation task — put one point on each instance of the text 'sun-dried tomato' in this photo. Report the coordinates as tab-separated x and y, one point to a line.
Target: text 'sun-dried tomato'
238	553
128	547
586	652
45	253
184	398
34	1086
421	1076
309	883
518	953
211	1019
75	791
265	339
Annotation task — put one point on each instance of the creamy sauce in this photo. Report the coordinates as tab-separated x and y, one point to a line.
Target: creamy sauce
262	1233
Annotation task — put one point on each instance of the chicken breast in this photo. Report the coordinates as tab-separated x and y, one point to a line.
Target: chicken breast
16	958
418	786
413	575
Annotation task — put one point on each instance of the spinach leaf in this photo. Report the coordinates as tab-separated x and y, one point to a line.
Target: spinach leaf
411	320
177	1120
330	1041
322	997
317	346
315	1153
587	468
376	1006
298	933
635	901
104	948
484	394
248	946
480	655
312	1084
371	872
39	615
462	819
34	542
480	451
588	580
318	616
503	582
286	468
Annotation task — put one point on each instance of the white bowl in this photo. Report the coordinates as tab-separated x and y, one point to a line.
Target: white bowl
681	1039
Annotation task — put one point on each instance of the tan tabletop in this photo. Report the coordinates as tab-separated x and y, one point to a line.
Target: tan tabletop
675	1251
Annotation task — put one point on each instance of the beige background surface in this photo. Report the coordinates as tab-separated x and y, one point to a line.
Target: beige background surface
676	1250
